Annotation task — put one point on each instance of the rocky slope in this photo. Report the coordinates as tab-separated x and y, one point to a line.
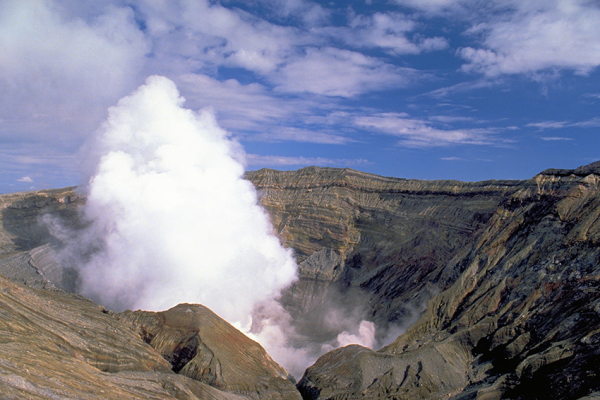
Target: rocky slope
202	346
59	345
503	274
379	243
26	243
521	321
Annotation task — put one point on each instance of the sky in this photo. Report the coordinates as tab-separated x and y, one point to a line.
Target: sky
421	89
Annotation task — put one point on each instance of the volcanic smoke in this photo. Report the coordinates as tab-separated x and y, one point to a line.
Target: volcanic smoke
170	219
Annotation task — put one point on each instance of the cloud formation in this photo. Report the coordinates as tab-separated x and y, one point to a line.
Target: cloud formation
591	123
55	67
172	219
537	36
331	71
420	133
386	31
275	70
283	161
524	37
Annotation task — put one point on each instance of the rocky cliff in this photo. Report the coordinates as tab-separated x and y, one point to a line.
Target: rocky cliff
380	244
521	320
500	276
57	345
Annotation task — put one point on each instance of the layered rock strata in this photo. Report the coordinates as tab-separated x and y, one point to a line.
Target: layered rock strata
510	269
380	243
521	321
26	241
59	346
202	346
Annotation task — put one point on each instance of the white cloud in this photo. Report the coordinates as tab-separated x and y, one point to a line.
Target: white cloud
25	179
48	166
591	123
536	36
56	68
256	114
433	6
278	134
387	31
524	37
260	160
190	36
208	36
334	72
448	119
464	87
555	138
420	133
310	13
65	62
241	107
549	124
24	159
248	42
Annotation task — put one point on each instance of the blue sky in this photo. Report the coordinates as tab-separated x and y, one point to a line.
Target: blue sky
426	89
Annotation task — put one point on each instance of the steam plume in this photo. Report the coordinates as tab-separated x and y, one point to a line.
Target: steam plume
172	219
169	219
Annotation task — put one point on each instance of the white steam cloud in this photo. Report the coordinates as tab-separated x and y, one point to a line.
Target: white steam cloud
171	218
364	337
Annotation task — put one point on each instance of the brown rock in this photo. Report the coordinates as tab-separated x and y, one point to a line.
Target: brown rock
56	346
204	347
386	239
515	263
522	315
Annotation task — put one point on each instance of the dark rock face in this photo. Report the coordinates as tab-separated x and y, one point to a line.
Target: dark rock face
503	274
202	346
57	346
384	240
521	320
26	243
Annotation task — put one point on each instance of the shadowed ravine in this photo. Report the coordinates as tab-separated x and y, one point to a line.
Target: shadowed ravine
501	278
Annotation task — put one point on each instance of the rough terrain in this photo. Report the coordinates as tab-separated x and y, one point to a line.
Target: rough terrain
57	345
521	321
501	277
379	243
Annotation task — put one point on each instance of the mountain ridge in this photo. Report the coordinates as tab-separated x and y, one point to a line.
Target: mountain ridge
487	269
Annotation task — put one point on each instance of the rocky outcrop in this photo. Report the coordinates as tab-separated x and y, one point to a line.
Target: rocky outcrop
504	276
20	215
26	242
381	243
59	345
521	321
55	346
202	346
